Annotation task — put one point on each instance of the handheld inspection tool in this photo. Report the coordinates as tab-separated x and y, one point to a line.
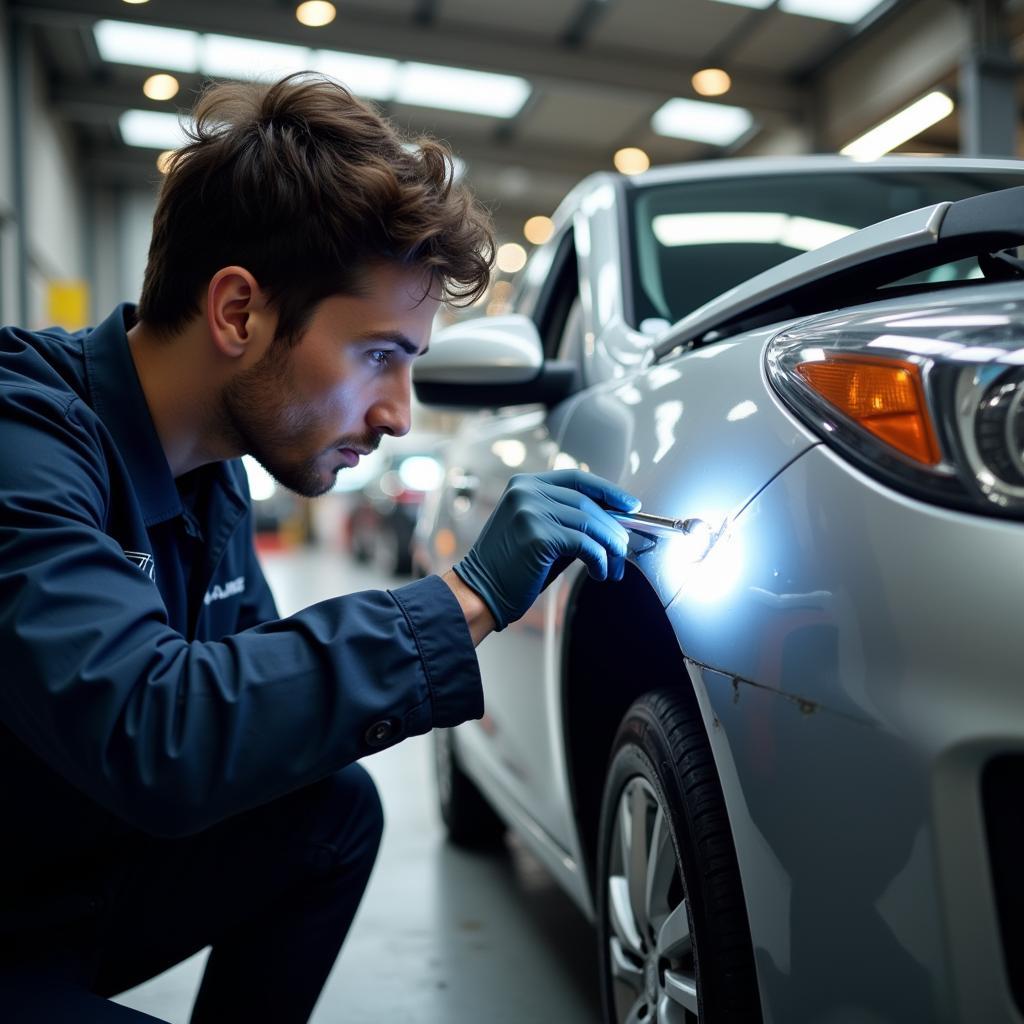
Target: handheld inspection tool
645	523
659	522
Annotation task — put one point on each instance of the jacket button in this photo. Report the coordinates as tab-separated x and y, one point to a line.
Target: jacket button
379	733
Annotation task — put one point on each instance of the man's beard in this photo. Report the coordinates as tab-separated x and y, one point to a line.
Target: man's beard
261	421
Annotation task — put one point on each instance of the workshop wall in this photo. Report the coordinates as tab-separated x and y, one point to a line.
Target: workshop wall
122	221
54	202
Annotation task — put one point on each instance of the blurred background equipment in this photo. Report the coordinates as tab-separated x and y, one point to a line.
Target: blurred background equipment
382	514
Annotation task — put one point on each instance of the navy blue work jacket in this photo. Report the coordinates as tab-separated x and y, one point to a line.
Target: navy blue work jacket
146	682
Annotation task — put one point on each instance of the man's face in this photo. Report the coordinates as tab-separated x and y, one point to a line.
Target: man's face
308	410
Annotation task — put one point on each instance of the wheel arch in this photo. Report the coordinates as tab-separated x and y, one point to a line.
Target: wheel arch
601	678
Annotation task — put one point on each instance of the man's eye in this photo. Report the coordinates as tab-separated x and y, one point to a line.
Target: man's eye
380	356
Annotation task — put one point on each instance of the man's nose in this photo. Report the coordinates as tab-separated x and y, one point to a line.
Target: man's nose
390	413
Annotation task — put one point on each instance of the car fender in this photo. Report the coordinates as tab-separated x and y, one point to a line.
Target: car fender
694	438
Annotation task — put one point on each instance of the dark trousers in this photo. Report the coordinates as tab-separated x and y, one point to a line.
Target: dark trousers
273	890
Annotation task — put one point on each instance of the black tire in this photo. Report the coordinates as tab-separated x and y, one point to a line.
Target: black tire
469	819
690	950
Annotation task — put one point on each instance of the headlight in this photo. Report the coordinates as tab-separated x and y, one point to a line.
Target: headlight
932	400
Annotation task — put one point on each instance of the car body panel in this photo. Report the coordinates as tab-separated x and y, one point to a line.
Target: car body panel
819	648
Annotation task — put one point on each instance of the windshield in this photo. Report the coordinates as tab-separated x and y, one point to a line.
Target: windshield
694	240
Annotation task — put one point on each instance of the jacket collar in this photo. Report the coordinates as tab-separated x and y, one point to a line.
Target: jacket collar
120	402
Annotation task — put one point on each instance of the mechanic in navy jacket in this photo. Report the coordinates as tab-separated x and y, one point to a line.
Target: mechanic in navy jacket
178	763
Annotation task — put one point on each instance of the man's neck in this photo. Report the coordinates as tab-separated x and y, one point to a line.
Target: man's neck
182	389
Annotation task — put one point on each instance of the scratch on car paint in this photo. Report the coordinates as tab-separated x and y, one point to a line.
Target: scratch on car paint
807	707
803	704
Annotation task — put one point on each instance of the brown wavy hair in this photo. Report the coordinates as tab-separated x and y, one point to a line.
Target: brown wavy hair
306	187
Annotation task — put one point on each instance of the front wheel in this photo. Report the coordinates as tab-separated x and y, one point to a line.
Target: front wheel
675	943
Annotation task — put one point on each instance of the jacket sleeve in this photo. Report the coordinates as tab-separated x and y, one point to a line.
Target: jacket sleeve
173	736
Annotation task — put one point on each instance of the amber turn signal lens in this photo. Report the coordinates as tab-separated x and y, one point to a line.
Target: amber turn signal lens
885	397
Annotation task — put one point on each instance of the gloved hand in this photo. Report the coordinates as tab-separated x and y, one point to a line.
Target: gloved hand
539	521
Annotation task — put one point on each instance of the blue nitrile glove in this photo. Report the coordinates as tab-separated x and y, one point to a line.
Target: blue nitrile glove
540	522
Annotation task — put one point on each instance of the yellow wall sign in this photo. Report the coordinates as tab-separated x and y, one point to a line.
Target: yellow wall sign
67	304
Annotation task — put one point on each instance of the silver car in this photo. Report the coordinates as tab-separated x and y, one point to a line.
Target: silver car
780	765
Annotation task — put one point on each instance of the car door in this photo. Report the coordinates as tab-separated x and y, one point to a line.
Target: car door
517	745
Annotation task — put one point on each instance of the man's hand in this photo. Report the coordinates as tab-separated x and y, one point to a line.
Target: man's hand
540	524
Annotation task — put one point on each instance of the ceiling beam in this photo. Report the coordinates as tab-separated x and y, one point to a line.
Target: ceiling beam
922	45
545	64
586	16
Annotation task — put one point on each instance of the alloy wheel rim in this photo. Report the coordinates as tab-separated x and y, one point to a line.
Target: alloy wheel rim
650	945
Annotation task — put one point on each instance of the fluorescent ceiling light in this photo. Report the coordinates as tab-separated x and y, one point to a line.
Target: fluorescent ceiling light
373	77
901	127
803	233
424	85
152	129
476	92
759	4
848	12
716	123
234	57
122	42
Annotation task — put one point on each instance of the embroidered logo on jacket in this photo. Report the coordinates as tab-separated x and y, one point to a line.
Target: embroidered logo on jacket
219	591
144	561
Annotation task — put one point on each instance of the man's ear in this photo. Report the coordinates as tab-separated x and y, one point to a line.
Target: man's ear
238	316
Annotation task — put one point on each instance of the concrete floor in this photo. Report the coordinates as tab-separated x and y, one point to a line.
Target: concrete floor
442	936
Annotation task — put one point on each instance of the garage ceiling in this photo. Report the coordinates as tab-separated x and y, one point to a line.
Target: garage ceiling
598	70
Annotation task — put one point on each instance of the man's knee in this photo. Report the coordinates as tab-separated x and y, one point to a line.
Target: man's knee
352	814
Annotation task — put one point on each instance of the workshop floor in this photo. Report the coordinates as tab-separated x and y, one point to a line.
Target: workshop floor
442	936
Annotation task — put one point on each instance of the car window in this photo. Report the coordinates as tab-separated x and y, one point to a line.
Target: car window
550	307
529	284
692	241
570	344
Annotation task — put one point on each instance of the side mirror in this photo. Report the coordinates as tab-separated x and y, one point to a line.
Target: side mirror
490	362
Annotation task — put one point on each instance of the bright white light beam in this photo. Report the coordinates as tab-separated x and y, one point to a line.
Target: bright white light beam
901	127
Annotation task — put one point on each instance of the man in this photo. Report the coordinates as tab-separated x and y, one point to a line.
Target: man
178	763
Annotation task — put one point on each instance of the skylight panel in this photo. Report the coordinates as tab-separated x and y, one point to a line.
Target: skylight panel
473	92
123	42
848	12
152	129
714	123
759	4
378	78
234	57
372	77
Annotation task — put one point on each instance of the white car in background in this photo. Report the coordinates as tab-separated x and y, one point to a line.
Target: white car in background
780	764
